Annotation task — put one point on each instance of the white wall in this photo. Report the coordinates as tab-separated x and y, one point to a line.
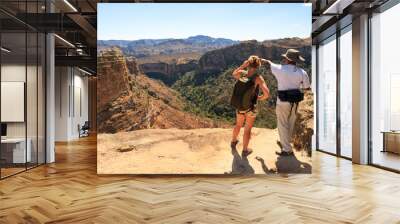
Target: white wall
80	111
14	73
71	94
33	126
62	82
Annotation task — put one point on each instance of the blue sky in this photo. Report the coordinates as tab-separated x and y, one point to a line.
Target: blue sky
238	21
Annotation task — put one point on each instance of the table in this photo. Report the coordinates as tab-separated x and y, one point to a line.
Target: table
391	141
13	150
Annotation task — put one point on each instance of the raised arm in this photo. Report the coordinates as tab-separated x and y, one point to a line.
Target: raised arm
265	61
236	73
264	88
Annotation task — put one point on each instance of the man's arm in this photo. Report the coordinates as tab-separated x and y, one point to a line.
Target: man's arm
275	68
265	61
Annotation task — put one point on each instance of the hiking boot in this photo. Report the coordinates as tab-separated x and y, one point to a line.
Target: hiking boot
284	153
279	144
246	152
233	144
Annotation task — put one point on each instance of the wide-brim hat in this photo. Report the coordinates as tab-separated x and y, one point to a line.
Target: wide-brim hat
293	55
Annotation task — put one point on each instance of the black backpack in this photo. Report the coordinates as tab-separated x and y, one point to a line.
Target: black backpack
245	93
291	95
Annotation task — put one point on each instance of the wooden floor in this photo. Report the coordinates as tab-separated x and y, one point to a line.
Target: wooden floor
69	191
386	159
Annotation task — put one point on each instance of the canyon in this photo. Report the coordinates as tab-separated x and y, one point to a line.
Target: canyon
190	90
171	68
168	72
129	100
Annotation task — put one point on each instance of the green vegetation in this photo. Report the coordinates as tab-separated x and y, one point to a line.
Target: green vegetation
209	95
167	80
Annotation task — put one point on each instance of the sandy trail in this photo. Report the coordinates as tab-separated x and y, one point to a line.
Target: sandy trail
195	151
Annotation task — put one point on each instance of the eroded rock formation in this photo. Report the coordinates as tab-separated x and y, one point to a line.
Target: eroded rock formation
168	72
112	77
221	59
132	65
129	100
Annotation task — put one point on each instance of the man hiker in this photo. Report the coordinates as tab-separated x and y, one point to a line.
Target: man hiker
292	80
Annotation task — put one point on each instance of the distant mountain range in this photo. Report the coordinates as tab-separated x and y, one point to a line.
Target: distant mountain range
148	47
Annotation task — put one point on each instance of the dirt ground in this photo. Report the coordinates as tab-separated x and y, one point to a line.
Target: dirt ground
195	151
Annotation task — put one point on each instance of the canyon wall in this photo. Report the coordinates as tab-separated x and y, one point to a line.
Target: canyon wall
221	59
128	100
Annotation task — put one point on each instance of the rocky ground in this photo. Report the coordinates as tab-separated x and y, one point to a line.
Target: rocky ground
194	151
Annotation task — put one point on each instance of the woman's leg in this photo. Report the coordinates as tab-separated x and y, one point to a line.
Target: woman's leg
250	118
239	124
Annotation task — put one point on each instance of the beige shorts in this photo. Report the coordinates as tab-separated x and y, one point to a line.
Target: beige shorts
252	112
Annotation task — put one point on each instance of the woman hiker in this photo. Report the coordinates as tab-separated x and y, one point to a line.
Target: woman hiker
244	99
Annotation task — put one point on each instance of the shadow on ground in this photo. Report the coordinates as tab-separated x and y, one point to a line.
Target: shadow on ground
240	164
284	164
290	164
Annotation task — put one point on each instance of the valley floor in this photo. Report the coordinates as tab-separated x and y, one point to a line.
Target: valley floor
195	151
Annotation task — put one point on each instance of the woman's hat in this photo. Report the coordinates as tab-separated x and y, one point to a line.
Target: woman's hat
293	55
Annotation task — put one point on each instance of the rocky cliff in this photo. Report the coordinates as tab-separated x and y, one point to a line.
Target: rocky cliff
168	72
220	59
132	66
304	127
112	77
129	100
